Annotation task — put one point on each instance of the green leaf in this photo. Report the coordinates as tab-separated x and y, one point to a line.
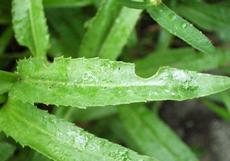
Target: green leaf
119	33
3	98
5	15
57	139
220	111
39	157
89	114
152	136
6	151
98	82
133	4
30	26
207	16
67	3
179	27
164	41
95	35
116	25
225	97
181	58
66	32
5	39
6	81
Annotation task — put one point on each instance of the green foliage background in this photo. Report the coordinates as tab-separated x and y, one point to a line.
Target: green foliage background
100	64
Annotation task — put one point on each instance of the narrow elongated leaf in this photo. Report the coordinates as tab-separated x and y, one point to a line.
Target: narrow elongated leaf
30	26
5	15
39	157
118	130
108	40
5	38
6	150
134	4
67	3
99	82
183	58
207	16
164	40
98	28
119	33
220	111
6	81
3	98
89	114
225	97
179	27
57	139
152	136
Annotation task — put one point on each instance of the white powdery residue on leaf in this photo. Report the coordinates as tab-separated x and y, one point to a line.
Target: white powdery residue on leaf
180	75
81	140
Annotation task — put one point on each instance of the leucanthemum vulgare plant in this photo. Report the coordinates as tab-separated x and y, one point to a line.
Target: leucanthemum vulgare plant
72	71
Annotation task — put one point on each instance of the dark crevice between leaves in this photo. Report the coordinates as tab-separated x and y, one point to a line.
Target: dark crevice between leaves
50	58
45	107
147	33
3	99
214	1
12	51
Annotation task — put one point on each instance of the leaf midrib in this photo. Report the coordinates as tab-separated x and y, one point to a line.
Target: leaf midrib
112	85
23	119
34	35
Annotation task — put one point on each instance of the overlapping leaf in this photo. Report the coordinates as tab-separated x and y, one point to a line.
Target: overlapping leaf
207	16
5	15
30	26
6	151
57	139
95	35
119	33
4	39
183	58
179	27
6	81
89	114
39	157
116	24
99	82
151	136
67	3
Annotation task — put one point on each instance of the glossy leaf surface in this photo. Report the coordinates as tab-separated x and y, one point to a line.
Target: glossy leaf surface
98	82
181	28
57	139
